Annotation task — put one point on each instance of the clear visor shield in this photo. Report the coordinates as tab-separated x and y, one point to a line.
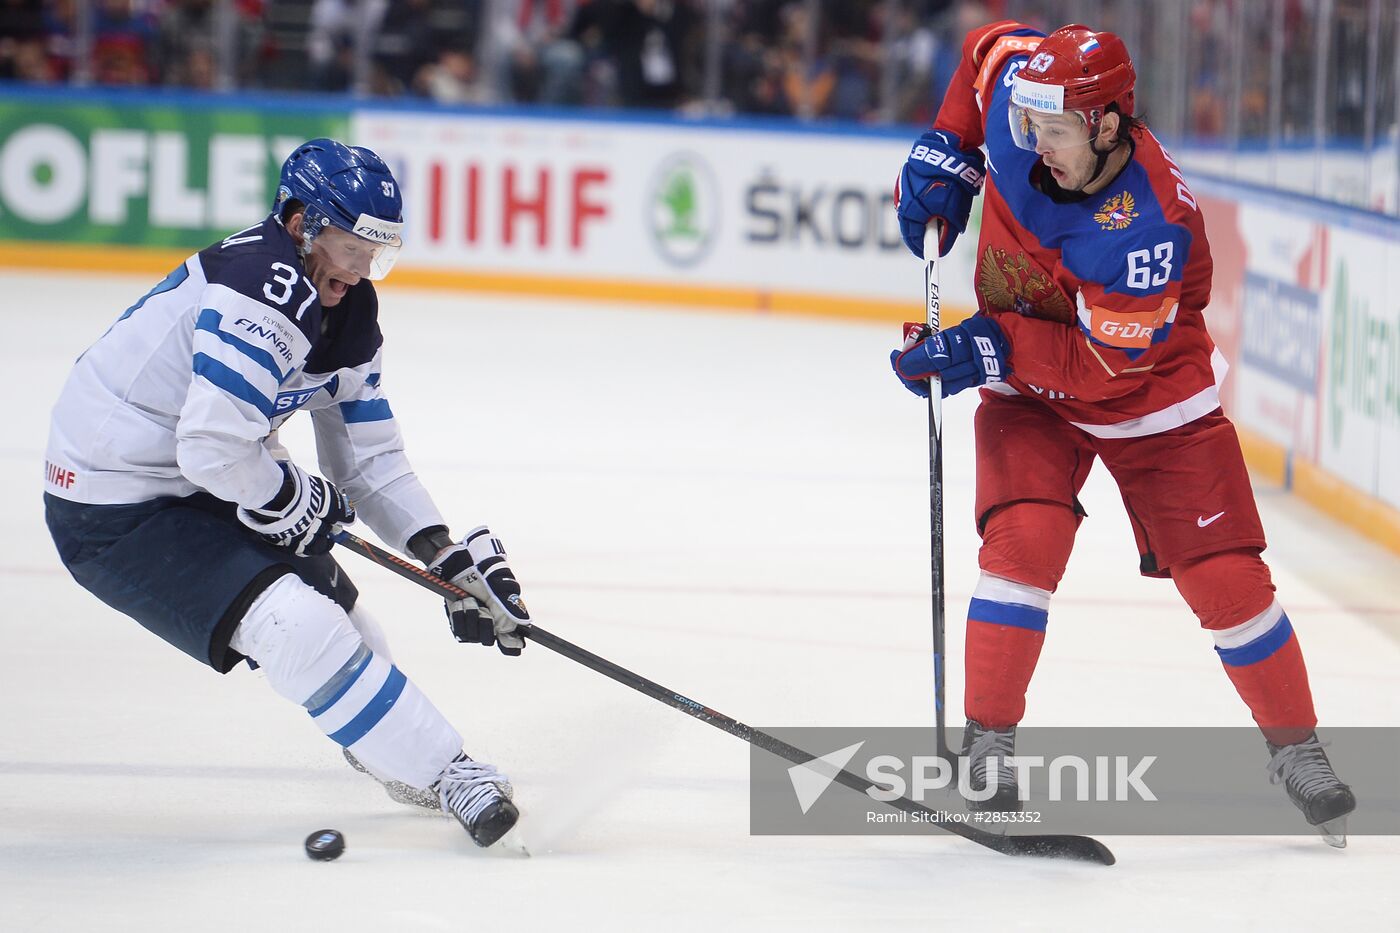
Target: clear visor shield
1039	122
369	252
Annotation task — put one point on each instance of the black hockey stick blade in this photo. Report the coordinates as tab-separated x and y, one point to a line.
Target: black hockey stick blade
1079	848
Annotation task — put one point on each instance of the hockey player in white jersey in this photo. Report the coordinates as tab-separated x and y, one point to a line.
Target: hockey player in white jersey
169	498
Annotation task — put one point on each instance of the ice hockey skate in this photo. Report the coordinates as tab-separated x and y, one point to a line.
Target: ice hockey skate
479	797
987	750
1313	787
398	791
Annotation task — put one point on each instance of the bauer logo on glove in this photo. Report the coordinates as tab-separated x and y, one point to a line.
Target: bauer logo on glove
971	354
949	162
936	185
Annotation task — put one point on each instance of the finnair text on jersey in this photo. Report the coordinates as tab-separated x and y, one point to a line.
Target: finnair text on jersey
267	333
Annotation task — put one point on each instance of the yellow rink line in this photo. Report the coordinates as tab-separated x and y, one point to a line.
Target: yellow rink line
1332	496
127	259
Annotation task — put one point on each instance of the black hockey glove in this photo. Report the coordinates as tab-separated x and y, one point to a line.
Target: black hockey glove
304	516
489	616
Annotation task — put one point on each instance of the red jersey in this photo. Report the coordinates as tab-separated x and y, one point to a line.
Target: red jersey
1100	296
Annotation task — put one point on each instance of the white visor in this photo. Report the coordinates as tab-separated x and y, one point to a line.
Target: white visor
385	239
1039	121
369	252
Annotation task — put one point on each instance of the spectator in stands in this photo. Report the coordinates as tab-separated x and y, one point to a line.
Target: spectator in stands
534	54
951	26
124	39
851	33
190	36
60	28
807	75
405	43
185	44
21	37
453	78
650	41
594	81
912	49
1207	69
335	27
750	75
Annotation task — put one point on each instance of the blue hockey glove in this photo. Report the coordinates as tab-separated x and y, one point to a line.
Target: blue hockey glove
489	616
938	182
304	516
971	354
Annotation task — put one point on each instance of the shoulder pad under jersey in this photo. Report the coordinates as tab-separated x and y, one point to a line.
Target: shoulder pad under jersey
350	335
261	264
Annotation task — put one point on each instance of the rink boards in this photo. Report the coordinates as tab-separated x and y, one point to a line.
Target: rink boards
738	214
1306	306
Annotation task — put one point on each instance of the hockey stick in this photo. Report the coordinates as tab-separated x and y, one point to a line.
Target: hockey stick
1081	848
934	305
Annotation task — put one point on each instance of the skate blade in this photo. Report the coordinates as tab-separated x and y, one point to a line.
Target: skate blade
1334	832
513	843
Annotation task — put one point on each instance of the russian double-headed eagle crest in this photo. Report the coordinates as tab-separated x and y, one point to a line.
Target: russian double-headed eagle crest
1008	282
1117	212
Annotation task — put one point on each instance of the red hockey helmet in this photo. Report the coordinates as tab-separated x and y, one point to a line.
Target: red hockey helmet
1074	69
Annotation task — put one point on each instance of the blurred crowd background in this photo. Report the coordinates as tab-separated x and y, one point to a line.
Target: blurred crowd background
1279	75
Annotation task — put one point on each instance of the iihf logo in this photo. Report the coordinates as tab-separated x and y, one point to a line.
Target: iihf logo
61	477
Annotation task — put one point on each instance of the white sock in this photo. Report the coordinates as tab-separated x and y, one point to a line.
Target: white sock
313	655
371	631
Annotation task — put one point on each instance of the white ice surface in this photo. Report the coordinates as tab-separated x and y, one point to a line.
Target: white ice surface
733	506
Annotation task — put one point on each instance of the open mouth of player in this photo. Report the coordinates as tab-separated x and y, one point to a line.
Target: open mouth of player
336	288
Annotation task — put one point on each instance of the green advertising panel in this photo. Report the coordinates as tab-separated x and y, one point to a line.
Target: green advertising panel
96	171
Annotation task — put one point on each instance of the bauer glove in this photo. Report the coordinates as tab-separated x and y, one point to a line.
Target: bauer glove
938	182
971	354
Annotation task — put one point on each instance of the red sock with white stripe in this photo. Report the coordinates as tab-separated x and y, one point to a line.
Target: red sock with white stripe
1005	631
1232	593
1265	663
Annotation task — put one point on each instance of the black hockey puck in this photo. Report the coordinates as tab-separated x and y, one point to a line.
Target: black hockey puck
324	845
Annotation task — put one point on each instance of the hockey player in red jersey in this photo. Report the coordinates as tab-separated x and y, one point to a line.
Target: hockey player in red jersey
1093	273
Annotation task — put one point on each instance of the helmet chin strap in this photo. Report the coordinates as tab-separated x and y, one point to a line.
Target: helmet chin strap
1100	159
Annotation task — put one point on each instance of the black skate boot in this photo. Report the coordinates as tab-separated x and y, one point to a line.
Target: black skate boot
479	797
1313	787
398	791
980	745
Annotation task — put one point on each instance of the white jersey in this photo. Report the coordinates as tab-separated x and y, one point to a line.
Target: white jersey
186	390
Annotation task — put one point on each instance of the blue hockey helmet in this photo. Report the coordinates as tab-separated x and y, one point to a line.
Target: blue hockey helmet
348	187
